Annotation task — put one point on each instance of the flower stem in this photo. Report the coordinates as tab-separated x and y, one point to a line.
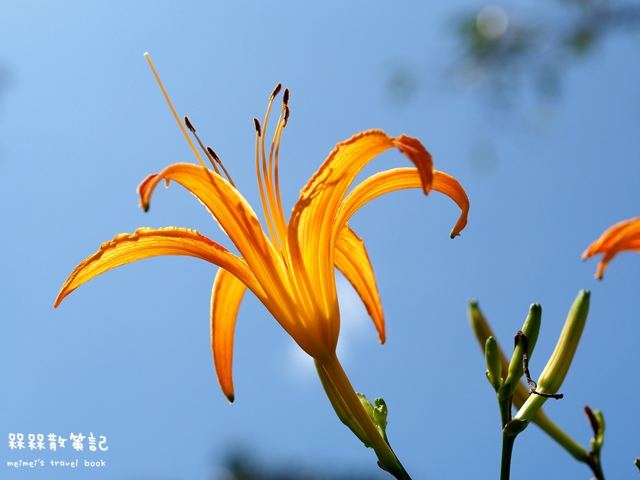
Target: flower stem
387	460
507	449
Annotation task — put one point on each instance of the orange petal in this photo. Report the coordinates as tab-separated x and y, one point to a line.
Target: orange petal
448	185
352	260
400	179
148	242
623	236
312	230
421	158
226	297
238	220
611	236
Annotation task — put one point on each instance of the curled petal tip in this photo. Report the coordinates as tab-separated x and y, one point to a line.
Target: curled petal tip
460	225
418	154
587	254
144	190
61	296
449	186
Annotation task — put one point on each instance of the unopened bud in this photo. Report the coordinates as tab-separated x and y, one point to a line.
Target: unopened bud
479	324
530	331
596	419
557	368
380	413
494	363
558	365
376	412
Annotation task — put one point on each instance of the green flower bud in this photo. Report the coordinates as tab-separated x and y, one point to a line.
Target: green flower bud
596	419
558	365
557	368
530	329
482	332
494	363
380	413
366	404
479	323
377	413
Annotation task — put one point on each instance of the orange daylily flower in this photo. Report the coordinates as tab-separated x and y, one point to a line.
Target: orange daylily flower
621	237
290	265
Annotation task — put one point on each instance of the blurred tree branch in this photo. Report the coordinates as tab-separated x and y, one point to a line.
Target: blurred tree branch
241	464
502	49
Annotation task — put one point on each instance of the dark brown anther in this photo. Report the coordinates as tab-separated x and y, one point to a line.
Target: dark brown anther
286	115
276	90
187	122
213	154
285	96
256	124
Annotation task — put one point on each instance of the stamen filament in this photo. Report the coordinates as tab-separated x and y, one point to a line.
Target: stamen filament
259	177
192	129
284	115
269	206
216	158
173	110
281	220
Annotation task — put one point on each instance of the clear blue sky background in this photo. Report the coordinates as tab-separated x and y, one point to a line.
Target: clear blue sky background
127	356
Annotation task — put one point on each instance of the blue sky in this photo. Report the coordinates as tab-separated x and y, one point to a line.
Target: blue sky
127	356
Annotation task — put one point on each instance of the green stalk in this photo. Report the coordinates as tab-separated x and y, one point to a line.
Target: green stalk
507	450
387	460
